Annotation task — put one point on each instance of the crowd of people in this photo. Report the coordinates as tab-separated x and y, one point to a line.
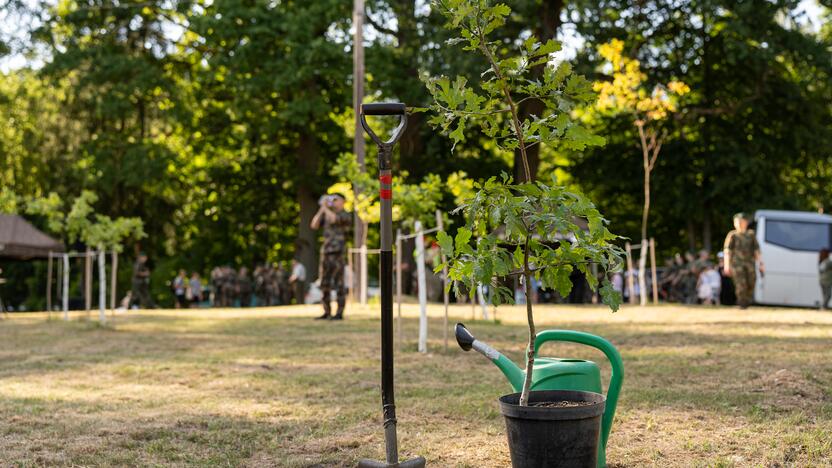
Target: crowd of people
696	279
267	285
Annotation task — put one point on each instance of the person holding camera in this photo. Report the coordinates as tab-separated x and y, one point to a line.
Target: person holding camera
335	223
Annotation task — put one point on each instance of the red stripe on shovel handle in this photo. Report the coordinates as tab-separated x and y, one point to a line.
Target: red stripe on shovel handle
386	179
385	194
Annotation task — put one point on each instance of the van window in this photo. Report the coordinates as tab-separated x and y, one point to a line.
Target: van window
797	235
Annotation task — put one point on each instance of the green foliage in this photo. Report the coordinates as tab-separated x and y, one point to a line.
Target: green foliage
493	103
81	223
530	228
517	225
751	134
413	201
8	201
49	207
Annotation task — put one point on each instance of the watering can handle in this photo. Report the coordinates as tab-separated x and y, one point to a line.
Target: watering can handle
616	363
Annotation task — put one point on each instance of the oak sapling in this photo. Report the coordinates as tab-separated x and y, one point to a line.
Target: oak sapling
532	228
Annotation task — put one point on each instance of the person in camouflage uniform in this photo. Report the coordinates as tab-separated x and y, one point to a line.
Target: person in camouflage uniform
741	253
244	287
141	282
825	276
335	223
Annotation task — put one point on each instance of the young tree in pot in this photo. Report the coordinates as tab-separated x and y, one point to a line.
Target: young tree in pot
530	228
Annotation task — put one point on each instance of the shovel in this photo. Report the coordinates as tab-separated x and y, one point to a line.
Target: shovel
385	176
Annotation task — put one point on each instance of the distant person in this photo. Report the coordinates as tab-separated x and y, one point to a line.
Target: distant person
708	285
244	287
297	281
825	275
617	282
195	289
726	290
335	223
180	286
741	252
141	282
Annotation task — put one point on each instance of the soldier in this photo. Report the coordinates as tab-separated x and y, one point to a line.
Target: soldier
741	253
244	287
335	222
216	286
283	290
141	282
229	286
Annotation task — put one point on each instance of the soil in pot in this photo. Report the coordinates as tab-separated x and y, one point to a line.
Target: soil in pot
559	428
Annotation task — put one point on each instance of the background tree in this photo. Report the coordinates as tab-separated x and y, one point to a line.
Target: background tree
624	93
749	135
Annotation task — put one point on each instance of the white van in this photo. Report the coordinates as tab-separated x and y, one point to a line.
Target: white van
789	245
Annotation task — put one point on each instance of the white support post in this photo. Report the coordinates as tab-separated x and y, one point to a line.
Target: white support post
483	303
631	287
102	285
399	286
653	278
353	276
423	293
65	298
363	266
642	272
88	282
113	281
441	226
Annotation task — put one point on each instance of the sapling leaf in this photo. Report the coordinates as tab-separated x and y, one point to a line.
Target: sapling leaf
610	296
446	243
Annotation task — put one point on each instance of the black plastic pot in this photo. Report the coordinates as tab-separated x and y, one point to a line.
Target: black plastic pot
549	437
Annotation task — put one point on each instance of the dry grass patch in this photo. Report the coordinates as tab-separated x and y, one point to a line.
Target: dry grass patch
271	387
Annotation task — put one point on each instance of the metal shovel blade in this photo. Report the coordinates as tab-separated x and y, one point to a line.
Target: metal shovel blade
418	462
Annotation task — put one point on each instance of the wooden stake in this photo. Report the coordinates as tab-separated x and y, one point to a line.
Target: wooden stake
65	289
113	281
421	280
49	286
102	285
399	286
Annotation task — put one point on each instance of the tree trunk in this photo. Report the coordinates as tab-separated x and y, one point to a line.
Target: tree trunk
645	214
706	230
691	235
306	242
527	276
547	27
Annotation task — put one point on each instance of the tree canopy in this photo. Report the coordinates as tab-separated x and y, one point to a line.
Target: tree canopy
218	124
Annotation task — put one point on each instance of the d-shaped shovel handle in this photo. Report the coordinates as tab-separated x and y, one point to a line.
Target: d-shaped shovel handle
385	108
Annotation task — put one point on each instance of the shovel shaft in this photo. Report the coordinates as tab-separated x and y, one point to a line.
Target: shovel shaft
387	397
387	380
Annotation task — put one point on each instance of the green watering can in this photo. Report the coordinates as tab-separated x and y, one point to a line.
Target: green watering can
560	374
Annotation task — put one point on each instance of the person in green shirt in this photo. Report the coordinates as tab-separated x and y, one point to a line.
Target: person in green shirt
742	256
825	275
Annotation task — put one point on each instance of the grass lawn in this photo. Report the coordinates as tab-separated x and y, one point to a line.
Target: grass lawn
271	387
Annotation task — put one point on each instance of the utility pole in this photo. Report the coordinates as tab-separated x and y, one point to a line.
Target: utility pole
359	237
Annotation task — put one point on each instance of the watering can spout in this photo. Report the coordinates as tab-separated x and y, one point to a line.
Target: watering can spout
467	342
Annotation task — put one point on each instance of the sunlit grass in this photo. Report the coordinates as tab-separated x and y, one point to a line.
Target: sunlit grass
271	387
